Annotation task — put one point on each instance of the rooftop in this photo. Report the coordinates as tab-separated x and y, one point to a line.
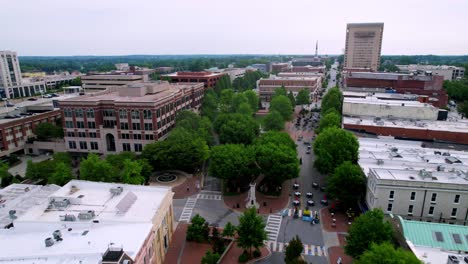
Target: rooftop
378	101
388	76
194	74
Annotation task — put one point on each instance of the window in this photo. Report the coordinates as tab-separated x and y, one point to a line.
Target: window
70	134
389	207
94	145
78	112
83	145
410	209
90	113
69	124
67	112
433	197
149	137
431	210
82	134
454	212
91	124
108	112
391	196
147	114
126	146
413	196
80	124
136	126
136	136
125	136
123	114
148	126
135	114
92	134
123	125
72	144
138	147
158	113
457	199
109	123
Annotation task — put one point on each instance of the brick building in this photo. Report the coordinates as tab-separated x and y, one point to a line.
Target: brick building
126	118
209	79
266	87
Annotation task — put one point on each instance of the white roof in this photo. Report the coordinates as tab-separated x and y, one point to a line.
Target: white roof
377	101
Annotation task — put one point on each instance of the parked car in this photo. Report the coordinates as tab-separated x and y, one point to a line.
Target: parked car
10	104
308	151
315	185
296	202
54	95
323	188
297	194
309	195
32	99
47	96
296	186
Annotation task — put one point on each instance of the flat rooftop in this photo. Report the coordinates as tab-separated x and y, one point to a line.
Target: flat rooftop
194	74
388	76
383	96
377	101
111	76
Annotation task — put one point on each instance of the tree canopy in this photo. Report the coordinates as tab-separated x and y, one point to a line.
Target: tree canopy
291	98
331	119
334	146
282	105
276	138
248	81
47	131
93	168
209	106
332	100
223	83
457	90
273	121
303	97
62	174
252	99
56	170
236	128
201	126
251	230
347	184
385	253
293	250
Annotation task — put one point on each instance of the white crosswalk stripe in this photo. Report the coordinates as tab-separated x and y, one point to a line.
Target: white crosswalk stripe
187	211
273	226
208	196
310	250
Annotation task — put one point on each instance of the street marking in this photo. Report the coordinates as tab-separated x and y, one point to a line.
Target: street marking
309	250
188	209
209	197
273	226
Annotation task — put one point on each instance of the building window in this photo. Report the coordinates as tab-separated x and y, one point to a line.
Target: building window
109	123
82	134
433	197
158	113
148	126
149	137
79	124
391	196
83	145
389	207
72	144
67	112
410	209
431	210
69	124
147	114
108	112
137	136
92	134
123	114
457	199
135	114
78	112
126	146
125	136
94	145
91	124
90	113
413	196
138	147
70	134
136	126
123	125
454	212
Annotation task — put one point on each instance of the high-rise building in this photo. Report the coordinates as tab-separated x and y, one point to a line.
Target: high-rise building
10	73
363	45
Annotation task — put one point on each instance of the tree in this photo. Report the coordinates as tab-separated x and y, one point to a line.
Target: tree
277	138
210	258
197	231
5	177
386	253
463	108
273	121
47	131
303	97
236	129
252	99
368	228
217	241
294	250
209	106
229	230
244	109
332	100
282	104
237	100
331	119
225	101
131	173
201	126
334	146
347	184
280	91
251	230
233	163
94	169
223	83
62	174
40	171
291	98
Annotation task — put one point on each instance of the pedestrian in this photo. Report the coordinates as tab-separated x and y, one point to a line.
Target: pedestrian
188	188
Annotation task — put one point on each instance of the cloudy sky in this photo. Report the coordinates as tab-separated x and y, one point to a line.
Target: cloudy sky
120	27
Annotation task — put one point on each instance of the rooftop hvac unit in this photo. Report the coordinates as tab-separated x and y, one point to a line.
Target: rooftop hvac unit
57	235
380	161
453	260
425	174
12	214
86	215
61	203
49	242
68	218
116	190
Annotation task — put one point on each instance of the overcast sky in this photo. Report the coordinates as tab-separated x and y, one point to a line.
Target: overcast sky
122	27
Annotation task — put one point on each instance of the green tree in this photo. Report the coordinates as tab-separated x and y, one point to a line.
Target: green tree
237	100
229	230
47	131
62	174
331	119
62	157
294	250
225	101
244	109
251	230
282	104
209	106
217	241
385	253
40	171
273	121
252	99
457	90
276	138
210	258
291	98
280	91
463	108
5	177
332	100
303	97
235	164
236	128
334	146
201	126
131	173
223	83
347	184
94	169
368	228
197	230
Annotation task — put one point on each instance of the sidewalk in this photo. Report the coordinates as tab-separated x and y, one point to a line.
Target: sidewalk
181	191
340	229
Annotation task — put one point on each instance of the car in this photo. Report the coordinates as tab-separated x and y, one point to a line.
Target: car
310	203
10	105
323	188
32	99
306	143
309	147
465	259
296	186
309	195
324	202
297	194
54	95
308	151
47	96
315	185
296	202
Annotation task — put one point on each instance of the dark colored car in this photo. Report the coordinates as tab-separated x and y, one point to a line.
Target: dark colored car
323	188
32	99
315	185
296	203
324	202
297	194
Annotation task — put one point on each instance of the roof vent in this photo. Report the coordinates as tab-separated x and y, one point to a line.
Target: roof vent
425	174
380	161
60	204
12	214
68	218
49	242
57	235
86	215
116	190
73	189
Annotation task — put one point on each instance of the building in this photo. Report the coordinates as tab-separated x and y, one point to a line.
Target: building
103	81
233	73
261	67
10	72
209	79
449	72
435	242
416	182
267	86
164	69
427	84
309	68
93	222
281	67
126	118
307	61
363	45
300	74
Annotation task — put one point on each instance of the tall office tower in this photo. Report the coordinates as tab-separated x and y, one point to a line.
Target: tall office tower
10	72
363	45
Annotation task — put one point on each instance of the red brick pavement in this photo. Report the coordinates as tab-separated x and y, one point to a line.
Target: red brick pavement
181	192
176	244
234	252
338	251
194	252
341	221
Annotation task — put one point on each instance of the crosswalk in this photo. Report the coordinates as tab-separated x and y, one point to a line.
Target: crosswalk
187	211
210	195
299	213
273	226
309	250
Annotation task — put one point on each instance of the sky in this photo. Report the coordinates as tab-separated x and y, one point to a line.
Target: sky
124	27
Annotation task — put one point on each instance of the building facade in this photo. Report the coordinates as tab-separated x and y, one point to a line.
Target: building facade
363	45
209	79
266	87
103	81
10	72
449	72
126	118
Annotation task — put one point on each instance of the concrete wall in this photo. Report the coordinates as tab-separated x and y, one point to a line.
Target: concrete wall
38	147
398	111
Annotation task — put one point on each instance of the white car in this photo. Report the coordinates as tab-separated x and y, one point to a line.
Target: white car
297	194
